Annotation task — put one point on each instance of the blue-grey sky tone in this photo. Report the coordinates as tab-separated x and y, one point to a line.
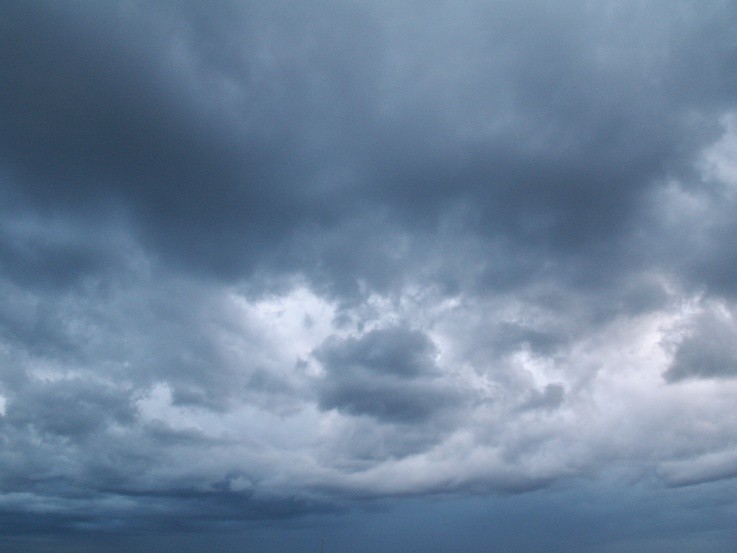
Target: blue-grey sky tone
392	276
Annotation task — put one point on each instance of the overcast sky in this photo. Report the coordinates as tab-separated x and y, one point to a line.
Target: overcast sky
421	276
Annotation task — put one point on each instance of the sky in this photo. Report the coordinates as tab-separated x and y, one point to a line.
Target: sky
368	276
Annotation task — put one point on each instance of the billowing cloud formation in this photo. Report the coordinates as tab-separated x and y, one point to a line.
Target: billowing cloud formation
267	259
387	373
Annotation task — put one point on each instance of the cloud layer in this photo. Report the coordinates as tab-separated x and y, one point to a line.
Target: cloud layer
263	260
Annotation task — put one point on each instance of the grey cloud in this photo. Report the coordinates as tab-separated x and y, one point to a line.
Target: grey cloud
146	123
388	373
391	401
390	351
706	348
550	397
510	336
125	123
515	179
33	260
148	330
373	439
72	408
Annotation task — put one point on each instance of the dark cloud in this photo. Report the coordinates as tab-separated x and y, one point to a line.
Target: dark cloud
388	373
248	128
394	351
72	408
259	261
145	112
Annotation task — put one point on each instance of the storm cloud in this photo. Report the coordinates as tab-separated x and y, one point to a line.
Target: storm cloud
273	264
